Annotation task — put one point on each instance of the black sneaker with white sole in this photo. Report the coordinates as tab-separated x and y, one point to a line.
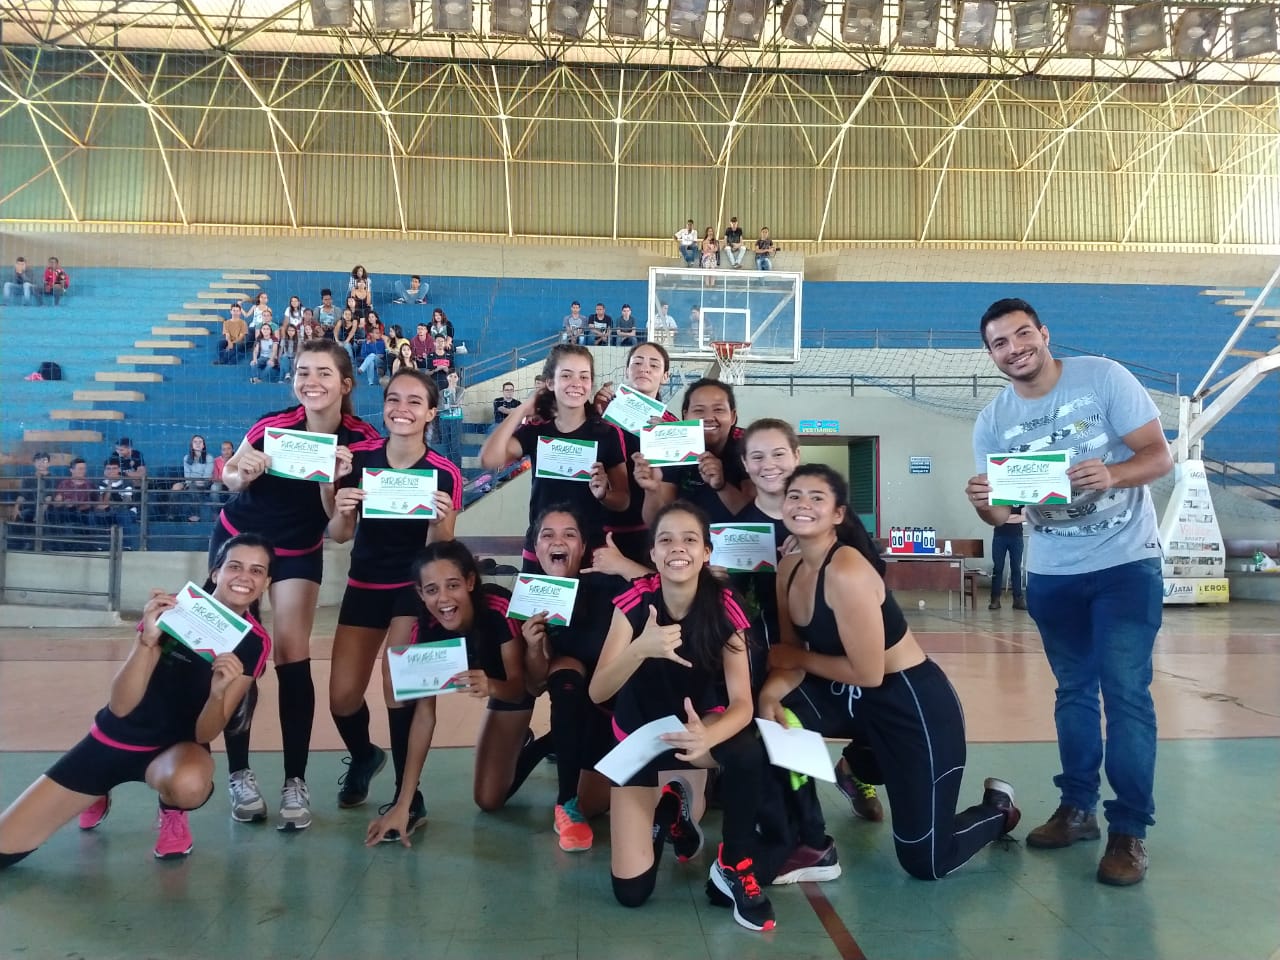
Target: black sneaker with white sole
417	818
751	908
684	833
354	783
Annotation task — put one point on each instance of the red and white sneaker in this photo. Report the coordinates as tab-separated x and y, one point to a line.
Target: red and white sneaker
575	833
174	839
96	813
751	908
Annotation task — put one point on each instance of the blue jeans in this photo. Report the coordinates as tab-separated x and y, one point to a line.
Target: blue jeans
12	288
763	262
1098	630
1002	546
371	367
690	255
286	366
418	296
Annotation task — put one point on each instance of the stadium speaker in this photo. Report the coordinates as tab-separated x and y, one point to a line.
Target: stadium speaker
861	22
1032	24
744	20
510	17
626	18
918	23
801	19
393	14
1253	32
687	19
331	13
976	24
1196	32
1087	27
1144	29
452	16
569	18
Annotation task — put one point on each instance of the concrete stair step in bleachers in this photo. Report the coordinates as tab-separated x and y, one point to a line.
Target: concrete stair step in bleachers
234	285
1235	302
127	376
86	414
163	344
189	331
108	396
1260	312
214	307
1252	354
217	295
61	436
148	359
246	276
192	318
1222	293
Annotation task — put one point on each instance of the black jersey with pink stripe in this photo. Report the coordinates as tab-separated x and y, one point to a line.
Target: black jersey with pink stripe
384	549
490	630
175	695
659	686
547	491
288	512
631	520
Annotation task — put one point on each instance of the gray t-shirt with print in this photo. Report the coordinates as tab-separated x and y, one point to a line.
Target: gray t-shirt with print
1094	404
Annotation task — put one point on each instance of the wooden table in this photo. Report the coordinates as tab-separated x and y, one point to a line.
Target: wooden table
925	571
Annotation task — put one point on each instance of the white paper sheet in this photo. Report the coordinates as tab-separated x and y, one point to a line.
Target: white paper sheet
803	751
629	757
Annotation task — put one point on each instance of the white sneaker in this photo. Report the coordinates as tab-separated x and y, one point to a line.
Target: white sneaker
247	805
295	805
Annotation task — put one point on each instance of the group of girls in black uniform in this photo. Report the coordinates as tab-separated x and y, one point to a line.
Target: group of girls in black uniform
656	631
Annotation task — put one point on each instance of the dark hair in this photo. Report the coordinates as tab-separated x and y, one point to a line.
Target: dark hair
589	528
705	382
508	383
399	333
359	272
191	450
433	391
626	306
111	461
1002	308
243	540
770	423
706	629
849	531
341	359
457	553
325	292
77	460
414	276
39	455
545	404
575	304
662	351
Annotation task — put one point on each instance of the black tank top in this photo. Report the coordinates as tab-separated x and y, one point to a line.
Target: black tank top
822	633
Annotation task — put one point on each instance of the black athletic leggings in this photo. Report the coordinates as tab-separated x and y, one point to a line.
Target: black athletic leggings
915	726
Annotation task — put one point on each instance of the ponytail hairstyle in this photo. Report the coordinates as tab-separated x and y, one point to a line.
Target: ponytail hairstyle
457	553
850	531
242	540
341	359
706	630
544	406
771	423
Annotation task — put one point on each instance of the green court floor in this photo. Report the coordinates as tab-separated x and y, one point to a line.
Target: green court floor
496	886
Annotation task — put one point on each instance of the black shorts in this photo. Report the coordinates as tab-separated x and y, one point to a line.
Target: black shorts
370	606
93	767
289	565
506	706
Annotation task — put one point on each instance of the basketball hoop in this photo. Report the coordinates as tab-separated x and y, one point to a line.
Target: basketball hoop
733	360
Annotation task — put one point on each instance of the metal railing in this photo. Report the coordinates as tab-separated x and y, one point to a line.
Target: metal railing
68	541
1226	474
912	385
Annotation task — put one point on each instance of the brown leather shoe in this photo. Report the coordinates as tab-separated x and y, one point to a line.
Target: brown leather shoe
1067	826
1124	863
993	605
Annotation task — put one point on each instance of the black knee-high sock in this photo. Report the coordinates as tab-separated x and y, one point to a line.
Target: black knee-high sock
354	730
741	760
297	711
237	750
532	754
568	703
400	719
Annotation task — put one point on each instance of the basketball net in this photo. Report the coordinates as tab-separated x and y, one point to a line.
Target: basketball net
733	360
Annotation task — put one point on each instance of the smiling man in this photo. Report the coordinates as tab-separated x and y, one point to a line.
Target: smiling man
1093	574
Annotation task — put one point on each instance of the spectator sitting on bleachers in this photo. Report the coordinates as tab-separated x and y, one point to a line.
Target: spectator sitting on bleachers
504	404
36	487
258	313
219	462
21	280
765	249
363	300
75	496
131	463
293	312
116	506
687	243
197	479
571	326
235	337
374	355
311	330
345	333
439	361
710	250
358	274
56	281
733	247
441	327
265	347
327	313
596	332
287	352
415	292
421	345
625	334
403	359
449	420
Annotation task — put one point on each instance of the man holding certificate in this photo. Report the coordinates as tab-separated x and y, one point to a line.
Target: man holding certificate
1094	584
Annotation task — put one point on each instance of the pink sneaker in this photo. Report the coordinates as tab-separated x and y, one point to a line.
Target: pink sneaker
96	813
174	839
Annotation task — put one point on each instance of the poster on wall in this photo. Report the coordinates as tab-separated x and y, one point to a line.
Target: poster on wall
1195	558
